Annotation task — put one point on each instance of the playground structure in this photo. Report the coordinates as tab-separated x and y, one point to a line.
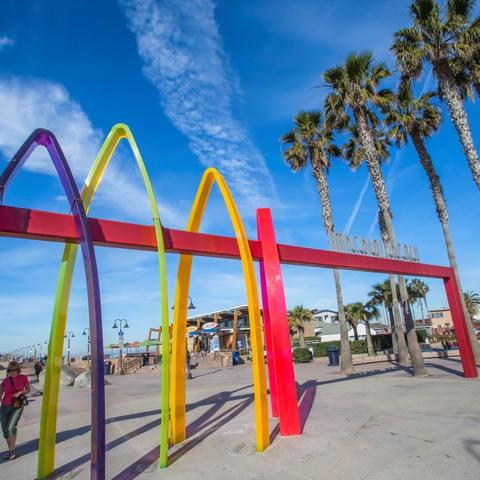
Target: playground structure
78	229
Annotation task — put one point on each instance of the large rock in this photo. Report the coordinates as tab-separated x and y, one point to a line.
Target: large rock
84	380
67	377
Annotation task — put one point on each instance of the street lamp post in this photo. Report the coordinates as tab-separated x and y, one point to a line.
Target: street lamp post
86	331
121	322
191	306
68	336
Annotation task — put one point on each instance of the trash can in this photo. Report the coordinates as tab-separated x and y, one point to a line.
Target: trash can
108	366
235	358
333	356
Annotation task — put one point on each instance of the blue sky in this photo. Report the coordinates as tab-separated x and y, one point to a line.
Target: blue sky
201	83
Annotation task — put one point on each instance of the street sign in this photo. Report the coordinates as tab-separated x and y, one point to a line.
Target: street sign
340	242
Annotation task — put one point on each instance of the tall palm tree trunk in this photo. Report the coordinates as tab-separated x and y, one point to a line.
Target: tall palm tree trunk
448	92
416	356
421	308
402	349
378	183
394	333
442	212
301	337
355	330
385	314
370	348
346	360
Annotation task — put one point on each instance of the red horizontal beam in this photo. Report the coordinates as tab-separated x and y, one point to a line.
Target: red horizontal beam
57	227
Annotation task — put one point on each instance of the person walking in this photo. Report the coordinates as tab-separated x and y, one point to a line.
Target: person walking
38	367
12	392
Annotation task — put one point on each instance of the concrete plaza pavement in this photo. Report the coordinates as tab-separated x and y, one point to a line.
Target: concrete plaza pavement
380	424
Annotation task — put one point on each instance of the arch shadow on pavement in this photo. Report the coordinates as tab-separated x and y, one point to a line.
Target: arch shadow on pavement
208	422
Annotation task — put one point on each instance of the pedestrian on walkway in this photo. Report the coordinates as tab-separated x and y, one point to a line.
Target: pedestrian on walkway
38	367
13	391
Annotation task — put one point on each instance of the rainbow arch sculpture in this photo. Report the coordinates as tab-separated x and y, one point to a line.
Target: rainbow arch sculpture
74	229
178	423
46	459
42	137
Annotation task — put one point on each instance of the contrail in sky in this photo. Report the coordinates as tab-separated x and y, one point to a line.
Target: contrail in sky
356	207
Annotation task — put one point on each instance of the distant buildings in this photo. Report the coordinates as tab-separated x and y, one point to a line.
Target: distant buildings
229	329
326	316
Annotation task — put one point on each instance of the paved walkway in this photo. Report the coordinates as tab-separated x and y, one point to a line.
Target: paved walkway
380	424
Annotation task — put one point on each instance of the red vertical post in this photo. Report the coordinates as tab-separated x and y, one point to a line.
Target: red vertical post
272	373
456	310
275	305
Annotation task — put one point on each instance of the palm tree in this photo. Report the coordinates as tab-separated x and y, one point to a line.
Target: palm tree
310	141
369	312
382	293
472	301
296	319
353	314
438	36
353	90
377	296
419	292
358	312
418	119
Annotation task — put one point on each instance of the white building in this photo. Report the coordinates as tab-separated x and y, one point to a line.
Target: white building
329	332
325	315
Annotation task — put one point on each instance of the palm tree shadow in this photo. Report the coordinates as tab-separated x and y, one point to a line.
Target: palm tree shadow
473	448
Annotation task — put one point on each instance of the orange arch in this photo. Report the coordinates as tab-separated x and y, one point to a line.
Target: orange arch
178	424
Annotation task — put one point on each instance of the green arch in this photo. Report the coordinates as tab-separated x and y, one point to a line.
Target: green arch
48	423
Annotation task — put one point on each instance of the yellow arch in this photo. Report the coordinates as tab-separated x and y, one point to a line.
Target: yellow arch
48	423
177	400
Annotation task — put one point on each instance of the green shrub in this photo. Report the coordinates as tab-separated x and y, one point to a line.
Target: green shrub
358	346
421	335
320	349
301	355
440	338
382	342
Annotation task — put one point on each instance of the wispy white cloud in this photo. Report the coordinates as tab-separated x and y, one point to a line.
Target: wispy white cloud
6	42
356	207
29	104
182	50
